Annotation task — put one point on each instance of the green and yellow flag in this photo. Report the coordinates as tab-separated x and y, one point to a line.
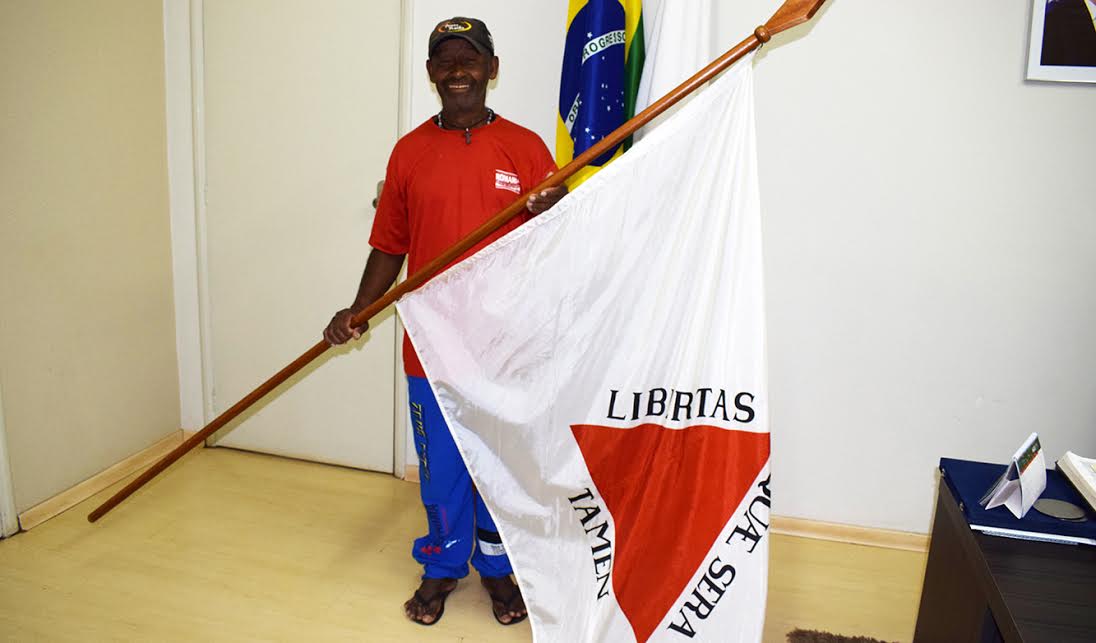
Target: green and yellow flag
602	63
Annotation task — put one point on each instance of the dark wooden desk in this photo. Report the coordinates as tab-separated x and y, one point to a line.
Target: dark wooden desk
986	588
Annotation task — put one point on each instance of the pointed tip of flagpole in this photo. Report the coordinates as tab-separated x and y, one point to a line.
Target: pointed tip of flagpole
790	14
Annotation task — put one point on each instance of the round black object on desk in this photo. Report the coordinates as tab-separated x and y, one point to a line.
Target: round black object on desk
1060	509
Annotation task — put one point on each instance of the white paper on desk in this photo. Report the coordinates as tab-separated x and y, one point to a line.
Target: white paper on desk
1023	482
1007	493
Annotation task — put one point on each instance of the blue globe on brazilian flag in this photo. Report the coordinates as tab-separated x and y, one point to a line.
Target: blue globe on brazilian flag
602	62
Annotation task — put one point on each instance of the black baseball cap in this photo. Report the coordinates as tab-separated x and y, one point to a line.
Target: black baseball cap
470	29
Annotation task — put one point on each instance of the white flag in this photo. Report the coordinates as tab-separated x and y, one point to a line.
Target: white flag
678	43
603	371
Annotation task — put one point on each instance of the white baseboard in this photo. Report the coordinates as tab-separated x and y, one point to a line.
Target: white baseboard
851	534
816	529
69	498
783	525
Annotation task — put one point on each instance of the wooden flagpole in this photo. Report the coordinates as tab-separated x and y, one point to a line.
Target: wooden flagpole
790	14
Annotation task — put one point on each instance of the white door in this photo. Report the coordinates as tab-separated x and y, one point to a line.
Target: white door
300	114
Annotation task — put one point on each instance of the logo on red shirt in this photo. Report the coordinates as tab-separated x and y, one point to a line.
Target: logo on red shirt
507	181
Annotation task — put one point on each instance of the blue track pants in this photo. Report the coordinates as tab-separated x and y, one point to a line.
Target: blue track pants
459	523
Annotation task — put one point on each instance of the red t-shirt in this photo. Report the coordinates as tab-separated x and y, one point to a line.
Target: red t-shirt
439	188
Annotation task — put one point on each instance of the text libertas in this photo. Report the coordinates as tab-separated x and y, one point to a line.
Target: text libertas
711	403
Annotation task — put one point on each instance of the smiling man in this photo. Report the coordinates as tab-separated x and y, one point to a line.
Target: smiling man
445	178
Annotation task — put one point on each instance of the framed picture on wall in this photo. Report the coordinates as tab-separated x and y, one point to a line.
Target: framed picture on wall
1063	41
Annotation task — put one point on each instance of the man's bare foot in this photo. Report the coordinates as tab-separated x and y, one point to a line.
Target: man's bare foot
428	603
506	601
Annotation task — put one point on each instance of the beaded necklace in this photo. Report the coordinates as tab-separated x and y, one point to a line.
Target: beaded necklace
486	120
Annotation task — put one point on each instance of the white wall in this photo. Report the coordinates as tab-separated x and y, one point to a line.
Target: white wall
929	226
87	351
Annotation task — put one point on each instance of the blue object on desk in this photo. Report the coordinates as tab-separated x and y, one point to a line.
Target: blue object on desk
969	481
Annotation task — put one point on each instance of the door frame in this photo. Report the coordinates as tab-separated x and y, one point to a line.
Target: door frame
183	83
184	67
9	519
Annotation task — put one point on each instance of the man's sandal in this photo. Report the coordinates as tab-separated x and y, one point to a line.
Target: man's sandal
507	603
425	602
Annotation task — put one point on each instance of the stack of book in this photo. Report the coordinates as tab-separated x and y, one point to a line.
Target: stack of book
1082	473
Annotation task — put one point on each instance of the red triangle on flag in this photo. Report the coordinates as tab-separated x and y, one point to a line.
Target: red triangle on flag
670	492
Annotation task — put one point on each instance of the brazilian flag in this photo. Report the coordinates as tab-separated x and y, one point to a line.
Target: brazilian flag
602	62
